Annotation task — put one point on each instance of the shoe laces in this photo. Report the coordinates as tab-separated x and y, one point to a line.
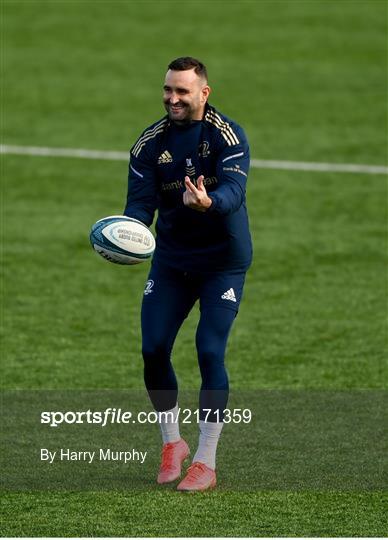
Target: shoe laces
168	454
195	470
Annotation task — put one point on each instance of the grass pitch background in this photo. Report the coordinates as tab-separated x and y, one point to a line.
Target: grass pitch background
307	80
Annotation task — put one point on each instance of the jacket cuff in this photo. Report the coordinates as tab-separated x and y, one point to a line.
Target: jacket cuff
214	199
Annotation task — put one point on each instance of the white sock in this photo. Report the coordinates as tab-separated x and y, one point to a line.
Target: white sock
170	425
209	433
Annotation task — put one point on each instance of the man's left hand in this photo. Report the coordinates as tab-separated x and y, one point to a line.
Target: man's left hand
196	197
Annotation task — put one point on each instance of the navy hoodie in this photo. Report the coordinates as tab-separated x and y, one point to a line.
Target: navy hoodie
216	147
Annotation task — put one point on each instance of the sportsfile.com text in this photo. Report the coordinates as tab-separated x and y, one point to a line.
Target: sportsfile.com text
118	416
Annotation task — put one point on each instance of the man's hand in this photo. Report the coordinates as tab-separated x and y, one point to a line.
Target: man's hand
196	197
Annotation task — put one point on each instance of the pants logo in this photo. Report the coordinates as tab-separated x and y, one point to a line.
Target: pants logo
229	295
148	288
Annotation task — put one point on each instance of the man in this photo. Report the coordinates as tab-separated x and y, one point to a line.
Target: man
192	167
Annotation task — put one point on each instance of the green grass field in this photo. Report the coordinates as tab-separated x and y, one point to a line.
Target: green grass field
308	81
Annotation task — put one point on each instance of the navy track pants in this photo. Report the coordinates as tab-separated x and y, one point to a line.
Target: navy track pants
169	296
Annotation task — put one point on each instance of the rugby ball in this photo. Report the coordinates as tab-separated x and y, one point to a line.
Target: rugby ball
122	240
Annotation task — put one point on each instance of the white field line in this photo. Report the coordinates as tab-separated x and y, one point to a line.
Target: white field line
255	163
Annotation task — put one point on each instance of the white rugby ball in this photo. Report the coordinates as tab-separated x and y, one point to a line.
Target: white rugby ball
122	240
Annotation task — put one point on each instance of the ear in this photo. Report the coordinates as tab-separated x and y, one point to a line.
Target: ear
205	93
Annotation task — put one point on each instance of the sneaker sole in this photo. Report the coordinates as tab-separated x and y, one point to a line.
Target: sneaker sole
188	490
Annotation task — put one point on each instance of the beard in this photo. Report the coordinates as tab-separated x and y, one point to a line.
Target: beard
181	113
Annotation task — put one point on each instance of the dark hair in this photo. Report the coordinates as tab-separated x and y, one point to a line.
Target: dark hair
188	62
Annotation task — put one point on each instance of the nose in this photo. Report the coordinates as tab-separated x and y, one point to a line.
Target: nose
174	98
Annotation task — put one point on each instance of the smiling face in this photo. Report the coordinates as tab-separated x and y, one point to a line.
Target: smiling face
185	95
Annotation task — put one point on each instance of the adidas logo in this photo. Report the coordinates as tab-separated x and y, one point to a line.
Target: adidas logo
165	157
229	295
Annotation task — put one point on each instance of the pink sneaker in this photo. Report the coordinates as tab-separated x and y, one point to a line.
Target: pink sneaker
173	455
198	478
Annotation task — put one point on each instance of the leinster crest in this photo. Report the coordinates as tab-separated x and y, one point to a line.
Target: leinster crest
203	149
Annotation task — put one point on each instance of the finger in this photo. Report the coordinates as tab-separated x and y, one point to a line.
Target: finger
190	186
200	182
